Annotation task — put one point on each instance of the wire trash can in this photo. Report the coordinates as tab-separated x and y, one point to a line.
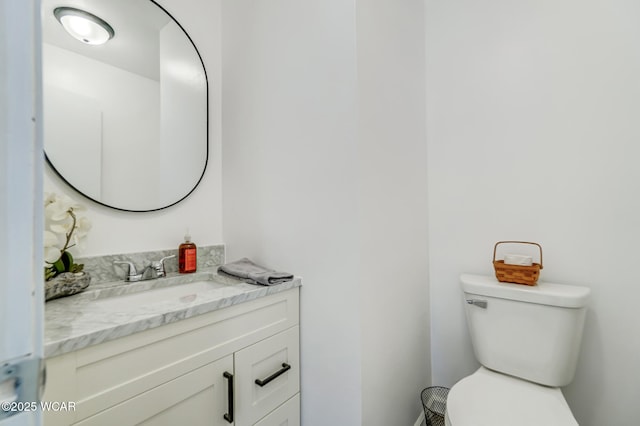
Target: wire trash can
434	401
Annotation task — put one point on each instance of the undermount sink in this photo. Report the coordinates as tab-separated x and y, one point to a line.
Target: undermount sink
176	289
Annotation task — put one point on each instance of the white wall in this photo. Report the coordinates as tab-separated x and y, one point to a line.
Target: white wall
392	198
533	134
121	232
289	125
323	176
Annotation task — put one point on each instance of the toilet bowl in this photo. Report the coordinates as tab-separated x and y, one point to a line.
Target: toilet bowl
489	398
527	339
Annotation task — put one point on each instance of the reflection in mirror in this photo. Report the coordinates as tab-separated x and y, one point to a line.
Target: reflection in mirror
125	122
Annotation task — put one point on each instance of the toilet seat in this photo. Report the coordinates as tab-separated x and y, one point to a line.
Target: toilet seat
488	398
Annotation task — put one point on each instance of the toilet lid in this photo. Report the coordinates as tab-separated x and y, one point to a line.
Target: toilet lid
487	398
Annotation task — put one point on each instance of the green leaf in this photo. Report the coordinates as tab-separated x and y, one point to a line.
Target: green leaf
77	267
49	272
67	260
58	265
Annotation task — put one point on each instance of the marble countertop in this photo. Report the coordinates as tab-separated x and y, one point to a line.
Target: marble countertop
107	311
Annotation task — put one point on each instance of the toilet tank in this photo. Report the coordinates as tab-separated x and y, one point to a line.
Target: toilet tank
531	332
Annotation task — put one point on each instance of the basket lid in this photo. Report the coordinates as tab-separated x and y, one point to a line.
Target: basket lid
567	296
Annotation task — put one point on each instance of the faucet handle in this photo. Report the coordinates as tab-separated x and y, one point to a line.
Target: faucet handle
159	266
131	272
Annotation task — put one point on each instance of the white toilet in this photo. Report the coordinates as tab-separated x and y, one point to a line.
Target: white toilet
527	339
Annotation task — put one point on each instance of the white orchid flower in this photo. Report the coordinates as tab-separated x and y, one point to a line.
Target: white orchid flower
49	197
64	228
58	209
83	226
50	239
51	247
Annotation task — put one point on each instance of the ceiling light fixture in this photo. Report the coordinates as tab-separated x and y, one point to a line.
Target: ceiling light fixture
84	26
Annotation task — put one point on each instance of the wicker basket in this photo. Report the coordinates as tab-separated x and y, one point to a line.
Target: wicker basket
517	273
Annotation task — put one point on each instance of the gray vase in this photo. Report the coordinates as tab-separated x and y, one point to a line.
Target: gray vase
66	284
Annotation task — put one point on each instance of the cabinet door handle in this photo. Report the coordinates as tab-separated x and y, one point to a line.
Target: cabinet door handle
229	416
285	367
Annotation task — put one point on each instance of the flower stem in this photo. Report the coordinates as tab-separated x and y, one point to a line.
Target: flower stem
70	233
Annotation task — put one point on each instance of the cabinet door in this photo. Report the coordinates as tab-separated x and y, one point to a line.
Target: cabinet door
199	397
288	414
274	364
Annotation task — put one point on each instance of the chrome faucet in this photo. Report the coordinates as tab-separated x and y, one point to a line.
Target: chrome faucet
158	266
151	272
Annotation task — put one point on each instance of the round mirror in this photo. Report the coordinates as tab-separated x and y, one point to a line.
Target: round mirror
125	102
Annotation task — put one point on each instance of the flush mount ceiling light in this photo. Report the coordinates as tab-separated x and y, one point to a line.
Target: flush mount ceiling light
84	26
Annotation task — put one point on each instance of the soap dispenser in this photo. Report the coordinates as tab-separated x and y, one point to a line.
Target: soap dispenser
187	256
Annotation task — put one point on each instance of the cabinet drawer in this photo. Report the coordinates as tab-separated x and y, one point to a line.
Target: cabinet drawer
288	414
275	363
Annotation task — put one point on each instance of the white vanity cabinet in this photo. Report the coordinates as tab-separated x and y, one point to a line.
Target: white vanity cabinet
235	366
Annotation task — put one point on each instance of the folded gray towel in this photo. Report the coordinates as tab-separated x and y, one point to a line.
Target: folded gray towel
256	274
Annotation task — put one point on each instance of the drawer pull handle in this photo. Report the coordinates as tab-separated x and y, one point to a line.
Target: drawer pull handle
229	416
285	367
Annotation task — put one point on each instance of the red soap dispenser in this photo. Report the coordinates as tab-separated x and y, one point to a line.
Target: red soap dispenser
187	256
